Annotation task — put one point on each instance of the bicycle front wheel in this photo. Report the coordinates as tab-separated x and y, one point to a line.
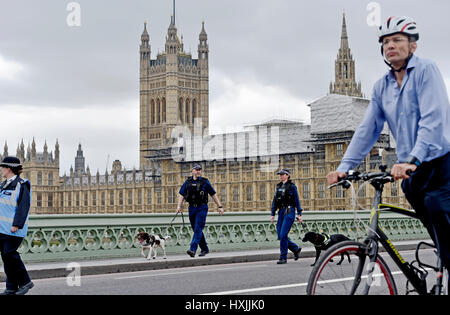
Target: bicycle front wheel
345	269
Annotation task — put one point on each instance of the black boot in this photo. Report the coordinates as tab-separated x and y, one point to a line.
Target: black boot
24	289
9	292
297	253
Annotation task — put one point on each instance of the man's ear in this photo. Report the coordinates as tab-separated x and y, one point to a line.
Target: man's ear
412	47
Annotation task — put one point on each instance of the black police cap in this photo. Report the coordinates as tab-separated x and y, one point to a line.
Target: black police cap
196	167
284	171
11	162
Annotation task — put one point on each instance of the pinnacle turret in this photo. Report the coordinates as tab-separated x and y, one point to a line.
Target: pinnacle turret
345	82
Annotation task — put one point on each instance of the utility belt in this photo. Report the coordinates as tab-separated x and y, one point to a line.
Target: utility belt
287	208
284	206
197	204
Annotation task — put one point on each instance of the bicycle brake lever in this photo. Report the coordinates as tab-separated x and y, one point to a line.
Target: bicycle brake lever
333	185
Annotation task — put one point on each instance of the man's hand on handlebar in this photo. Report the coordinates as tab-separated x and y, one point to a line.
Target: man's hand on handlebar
402	171
334	177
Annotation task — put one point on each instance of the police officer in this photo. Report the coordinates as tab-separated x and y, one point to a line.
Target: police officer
195	191
15	199
286	200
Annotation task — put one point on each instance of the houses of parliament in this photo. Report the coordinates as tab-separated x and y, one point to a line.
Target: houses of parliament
174	93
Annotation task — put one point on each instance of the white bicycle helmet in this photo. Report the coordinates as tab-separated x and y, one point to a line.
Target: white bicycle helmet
399	24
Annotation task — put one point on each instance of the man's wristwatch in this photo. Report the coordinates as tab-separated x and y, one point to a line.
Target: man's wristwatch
413	160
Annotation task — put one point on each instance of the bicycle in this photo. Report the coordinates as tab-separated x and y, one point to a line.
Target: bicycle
361	261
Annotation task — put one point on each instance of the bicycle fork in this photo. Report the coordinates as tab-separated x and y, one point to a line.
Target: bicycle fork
371	249
359	271
370	252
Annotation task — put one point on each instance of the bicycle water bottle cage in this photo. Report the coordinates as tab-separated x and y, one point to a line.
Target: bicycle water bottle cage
420	263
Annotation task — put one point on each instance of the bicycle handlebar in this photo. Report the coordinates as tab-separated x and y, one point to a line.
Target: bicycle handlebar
384	176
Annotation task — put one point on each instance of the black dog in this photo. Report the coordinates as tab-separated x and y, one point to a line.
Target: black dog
323	242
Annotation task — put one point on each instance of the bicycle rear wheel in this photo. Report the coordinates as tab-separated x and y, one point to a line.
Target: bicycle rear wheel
344	270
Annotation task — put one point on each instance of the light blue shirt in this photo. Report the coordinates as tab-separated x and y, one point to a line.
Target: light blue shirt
418	115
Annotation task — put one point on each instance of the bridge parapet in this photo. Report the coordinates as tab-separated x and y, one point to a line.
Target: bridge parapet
66	237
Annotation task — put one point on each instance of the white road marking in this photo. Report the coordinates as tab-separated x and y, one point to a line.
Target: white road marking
187	271
259	289
287	286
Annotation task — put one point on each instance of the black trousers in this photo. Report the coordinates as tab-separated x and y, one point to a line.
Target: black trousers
16	274
428	192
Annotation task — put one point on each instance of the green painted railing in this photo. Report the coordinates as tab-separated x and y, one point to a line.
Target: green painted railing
64	237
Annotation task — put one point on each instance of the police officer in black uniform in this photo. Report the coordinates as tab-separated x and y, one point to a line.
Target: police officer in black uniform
195	191
286	200
15	199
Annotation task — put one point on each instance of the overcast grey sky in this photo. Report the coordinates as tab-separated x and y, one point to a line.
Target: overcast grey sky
267	59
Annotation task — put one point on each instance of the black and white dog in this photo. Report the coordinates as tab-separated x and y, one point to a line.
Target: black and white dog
152	242
323	242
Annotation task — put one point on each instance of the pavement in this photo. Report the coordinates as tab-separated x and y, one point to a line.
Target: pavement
121	265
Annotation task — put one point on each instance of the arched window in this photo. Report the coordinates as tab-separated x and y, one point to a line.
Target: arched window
249	193
262	192
235	193
158	111
187	112
180	109
152	112
39	178
194	109
164	109
130	197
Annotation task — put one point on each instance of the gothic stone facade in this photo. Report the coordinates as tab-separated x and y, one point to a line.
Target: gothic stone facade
242	183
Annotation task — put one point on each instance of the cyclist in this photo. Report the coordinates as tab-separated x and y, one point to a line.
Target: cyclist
412	99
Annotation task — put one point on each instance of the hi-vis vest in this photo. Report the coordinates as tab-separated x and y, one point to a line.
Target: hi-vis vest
8	207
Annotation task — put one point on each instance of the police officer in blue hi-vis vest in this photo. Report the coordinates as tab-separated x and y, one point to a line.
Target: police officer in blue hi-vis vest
15	200
195	191
286	200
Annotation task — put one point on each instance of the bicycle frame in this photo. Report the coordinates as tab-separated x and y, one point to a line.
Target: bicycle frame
376	234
